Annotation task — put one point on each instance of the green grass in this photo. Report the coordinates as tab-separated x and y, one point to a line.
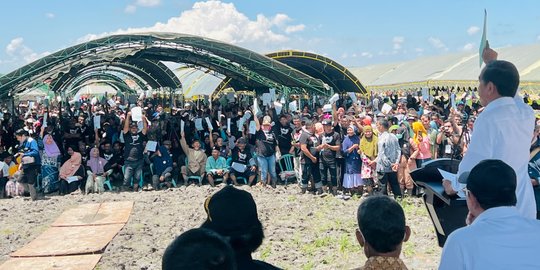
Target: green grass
265	252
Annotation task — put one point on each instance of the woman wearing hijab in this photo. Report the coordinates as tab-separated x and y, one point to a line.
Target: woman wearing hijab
368	151
50	162
71	173
96	172
420	146
352	178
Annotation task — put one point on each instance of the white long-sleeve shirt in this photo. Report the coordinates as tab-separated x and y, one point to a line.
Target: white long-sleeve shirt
499	238
504	131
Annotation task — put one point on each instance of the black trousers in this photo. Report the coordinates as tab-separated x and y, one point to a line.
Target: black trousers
326	168
308	170
3	182
67	188
390	178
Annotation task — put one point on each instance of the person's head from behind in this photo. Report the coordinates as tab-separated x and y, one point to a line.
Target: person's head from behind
381	227
491	183
497	79
233	214
199	249
383	125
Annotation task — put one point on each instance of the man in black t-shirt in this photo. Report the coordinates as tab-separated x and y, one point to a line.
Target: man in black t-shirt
284	131
133	151
309	157
72	134
330	144
243	164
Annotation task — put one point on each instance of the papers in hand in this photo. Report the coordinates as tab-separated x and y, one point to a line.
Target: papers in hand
151	146
198	124
239	167
97	121
386	108
252	127
454	180
136	114
72	179
334	98
483	41
182	125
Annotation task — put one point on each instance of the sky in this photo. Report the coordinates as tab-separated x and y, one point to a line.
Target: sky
351	32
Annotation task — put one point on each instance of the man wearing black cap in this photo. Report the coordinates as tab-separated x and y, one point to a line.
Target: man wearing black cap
329	145
497	237
232	213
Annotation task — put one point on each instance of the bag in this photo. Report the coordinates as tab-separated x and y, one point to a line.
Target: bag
27	160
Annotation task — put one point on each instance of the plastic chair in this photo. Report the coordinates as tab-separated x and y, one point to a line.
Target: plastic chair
107	183
287	160
141	181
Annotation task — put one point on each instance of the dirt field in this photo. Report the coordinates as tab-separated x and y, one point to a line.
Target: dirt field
302	231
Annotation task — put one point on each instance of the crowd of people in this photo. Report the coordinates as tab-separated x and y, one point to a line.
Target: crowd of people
357	146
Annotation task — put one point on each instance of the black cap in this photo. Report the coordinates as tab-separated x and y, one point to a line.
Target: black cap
490	178
230	211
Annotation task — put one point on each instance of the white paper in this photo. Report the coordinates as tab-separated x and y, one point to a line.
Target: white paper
425	93
454	180
252	127
136	114
229	125
282	101
151	146
240	124
353	96
182	125
111	102
239	167
278	106
453	101
209	123
266	99
292	106
93	101
386	108
97	121
198	124
483	41
333	99
44	119
273	94
230	97
71	179
255	106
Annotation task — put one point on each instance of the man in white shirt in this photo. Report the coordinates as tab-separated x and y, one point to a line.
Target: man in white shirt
503	130
498	236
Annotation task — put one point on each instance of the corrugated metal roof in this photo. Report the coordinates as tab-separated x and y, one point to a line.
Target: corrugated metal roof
460	66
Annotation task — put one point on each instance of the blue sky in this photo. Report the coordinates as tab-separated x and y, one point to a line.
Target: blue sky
354	33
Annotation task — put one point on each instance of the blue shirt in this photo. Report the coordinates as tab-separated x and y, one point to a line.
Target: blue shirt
30	149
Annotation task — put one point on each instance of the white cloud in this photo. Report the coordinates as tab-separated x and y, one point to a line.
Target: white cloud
538	37
50	15
468	46
222	21
18	51
366	54
437	43
130	9
398	41
147	3
14	45
473	30
344	56
419	50
294	28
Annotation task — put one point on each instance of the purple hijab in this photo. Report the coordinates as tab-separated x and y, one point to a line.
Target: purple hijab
97	164
50	149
